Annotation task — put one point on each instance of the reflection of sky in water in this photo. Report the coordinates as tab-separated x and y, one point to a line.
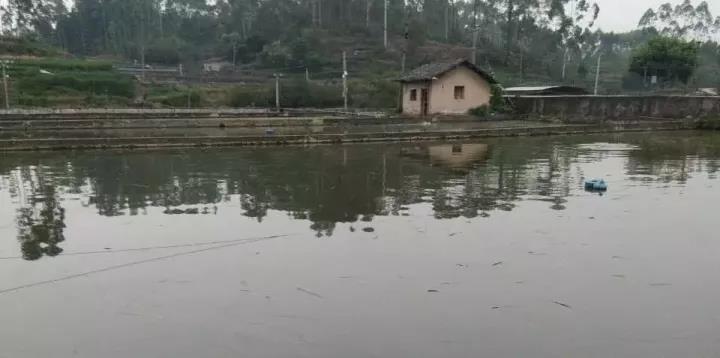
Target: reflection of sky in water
51	200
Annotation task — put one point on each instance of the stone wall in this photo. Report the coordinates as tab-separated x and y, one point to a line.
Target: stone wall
599	108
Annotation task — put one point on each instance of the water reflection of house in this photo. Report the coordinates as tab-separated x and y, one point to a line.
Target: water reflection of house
456	156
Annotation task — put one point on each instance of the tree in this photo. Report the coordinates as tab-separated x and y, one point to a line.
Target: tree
683	20
234	40
669	59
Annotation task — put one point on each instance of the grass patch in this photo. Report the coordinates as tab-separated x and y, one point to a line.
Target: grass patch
712	123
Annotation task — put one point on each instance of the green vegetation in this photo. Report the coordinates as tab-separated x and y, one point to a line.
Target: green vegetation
300	93
712	123
498	104
522	42
25	46
670	59
65	82
480	111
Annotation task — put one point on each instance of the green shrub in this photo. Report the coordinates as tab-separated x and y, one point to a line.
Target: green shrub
498	104
480	112
181	100
164	51
293	93
25	46
374	93
708	123
250	96
60	64
98	83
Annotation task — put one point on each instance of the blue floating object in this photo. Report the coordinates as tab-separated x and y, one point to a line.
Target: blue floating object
596	185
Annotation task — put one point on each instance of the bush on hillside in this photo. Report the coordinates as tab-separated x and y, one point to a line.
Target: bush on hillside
59	64
294	93
25	46
98	83
164	51
195	99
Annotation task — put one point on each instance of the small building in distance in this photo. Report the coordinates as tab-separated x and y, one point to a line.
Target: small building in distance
452	87
712	92
215	65
545	91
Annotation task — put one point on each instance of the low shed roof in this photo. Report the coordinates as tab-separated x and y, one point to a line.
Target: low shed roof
433	70
545	90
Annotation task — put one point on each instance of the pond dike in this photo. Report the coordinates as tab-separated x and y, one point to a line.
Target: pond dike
183	129
570	109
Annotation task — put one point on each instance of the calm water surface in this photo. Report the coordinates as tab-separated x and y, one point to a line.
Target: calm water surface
473	249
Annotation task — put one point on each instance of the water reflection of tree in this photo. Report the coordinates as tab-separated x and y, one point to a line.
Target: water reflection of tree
330	185
672	158
40	220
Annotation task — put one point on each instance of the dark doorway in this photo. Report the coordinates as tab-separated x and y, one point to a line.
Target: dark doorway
424	102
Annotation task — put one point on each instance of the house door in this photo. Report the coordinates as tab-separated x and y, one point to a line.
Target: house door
424	102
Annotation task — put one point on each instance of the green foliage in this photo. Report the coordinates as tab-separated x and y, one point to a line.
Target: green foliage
480	112
164	51
63	82
181	100
498	104
300	93
683	20
497	101
98	83
59	64
25	46
708	123
670	59
250	96
374	93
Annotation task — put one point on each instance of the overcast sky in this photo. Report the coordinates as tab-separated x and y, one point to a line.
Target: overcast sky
623	15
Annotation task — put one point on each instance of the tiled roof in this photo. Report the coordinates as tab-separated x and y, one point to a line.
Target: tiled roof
436	69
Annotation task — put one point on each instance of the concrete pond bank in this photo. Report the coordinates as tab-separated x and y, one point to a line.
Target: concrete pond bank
603	108
51	139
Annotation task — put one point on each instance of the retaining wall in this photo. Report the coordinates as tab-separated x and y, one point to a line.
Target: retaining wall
599	108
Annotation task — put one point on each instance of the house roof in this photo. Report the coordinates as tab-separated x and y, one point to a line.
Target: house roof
436	69
545	90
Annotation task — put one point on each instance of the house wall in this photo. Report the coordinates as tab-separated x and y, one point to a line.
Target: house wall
413	107
442	93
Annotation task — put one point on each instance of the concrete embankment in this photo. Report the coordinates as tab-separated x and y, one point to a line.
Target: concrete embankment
68	119
604	108
85	139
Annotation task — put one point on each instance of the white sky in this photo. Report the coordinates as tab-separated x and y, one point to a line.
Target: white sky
623	15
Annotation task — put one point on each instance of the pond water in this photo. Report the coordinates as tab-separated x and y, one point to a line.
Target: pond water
460	249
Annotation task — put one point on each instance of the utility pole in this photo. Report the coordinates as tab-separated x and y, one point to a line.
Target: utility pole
385	24
597	74
368	7
345	85
564	64
406	37
4	64
234	46
475	33
447	22
277	91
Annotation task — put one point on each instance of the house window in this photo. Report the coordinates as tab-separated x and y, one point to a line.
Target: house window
413	95
459	92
